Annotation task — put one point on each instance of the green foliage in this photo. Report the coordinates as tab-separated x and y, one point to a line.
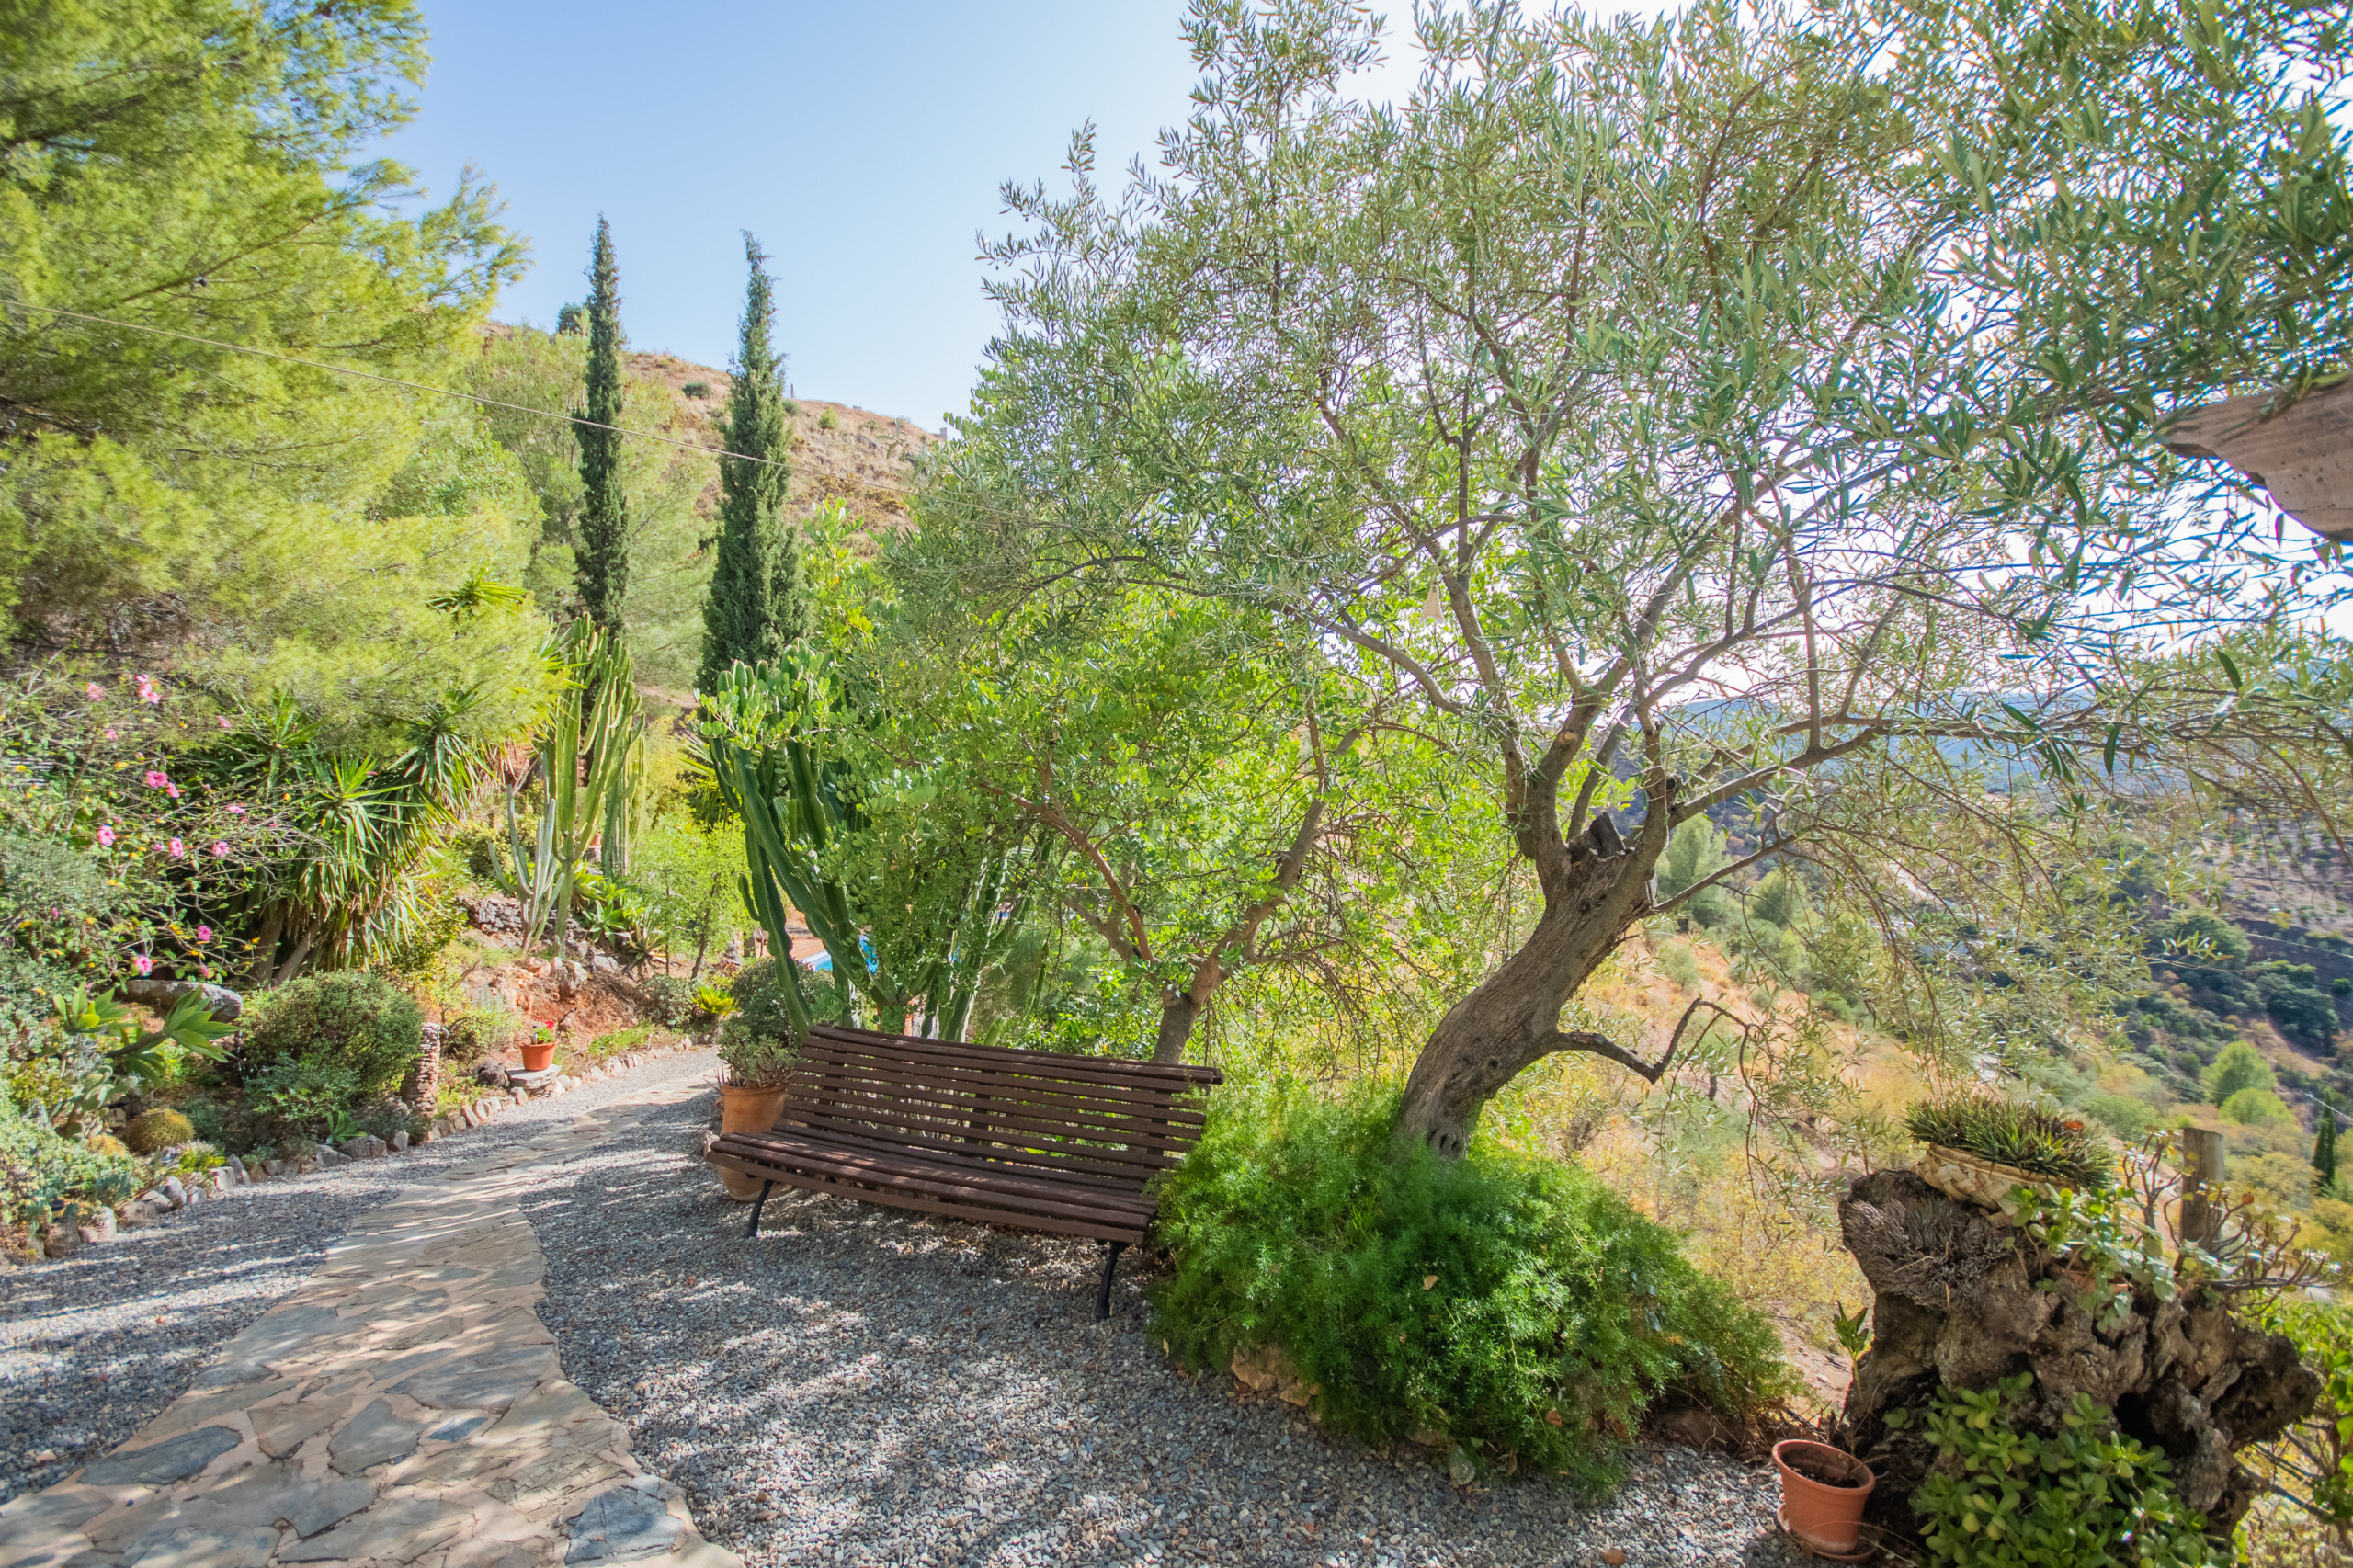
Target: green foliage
2324	1148
2239	1067
2087	1496
2256	1107
483	1031
2101	1236
40	1172
2026	1137
758	601
157	1128
207	167
306	1096
1696	851
695	390
1513	1304
619	1040
590	756
1676	961
2312	1461
829	420
716	1000
759	1036
603	559
691	870
1779	899
2291	994
349	1022
2208	938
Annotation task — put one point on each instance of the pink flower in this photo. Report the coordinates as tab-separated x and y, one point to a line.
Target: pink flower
95	692
224	721
220	846
236	811
155	780
176	850
112	733
147	692
141	962
106	837
173	791
204	933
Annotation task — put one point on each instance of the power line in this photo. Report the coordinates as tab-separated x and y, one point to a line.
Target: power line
389	380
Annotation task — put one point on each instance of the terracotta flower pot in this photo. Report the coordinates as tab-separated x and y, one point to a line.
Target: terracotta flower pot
748	1109
1822	1491
538	1054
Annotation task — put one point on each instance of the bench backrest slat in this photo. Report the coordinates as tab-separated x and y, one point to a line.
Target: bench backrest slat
1087	1117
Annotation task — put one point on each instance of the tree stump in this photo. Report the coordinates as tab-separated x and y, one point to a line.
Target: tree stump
1957	1304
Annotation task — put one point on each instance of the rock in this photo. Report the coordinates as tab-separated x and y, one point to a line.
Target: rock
137	1214
274	1167
1614	1557
219	1179
1460	1468
98	1226
373	1436
238	1174
605	963
626	1522
520	1095
223	1004
306	1165
1961	1303
369	1147
61	1240
400	1138
174	1193
159	1464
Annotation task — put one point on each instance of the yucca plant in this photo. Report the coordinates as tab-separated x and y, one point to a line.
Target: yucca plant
594	729
2042	1143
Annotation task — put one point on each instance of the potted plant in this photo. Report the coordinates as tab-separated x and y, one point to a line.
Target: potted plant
757	1050
1822	1491
539	1050
1981	1145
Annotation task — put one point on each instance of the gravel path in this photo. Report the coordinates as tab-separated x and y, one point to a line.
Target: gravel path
862	1385
94	1345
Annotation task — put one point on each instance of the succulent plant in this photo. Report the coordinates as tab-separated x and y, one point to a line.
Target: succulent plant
2042	1142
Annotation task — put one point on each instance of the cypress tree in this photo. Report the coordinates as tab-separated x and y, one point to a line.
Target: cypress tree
759	601
2324	1149
603	517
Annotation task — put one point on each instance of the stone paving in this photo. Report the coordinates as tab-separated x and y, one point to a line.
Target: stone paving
403	1406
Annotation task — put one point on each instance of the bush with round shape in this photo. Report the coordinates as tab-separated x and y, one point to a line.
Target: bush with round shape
669	1001
157	1128
2258	1108
1514	1306
360	1022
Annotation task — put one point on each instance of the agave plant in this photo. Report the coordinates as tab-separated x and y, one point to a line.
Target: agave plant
782	749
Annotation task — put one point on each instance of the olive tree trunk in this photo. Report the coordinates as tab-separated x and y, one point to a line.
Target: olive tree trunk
1594	894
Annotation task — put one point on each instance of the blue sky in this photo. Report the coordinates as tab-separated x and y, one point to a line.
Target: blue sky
863	144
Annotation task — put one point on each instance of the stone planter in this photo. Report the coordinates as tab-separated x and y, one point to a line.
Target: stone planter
748	1109
1975	1180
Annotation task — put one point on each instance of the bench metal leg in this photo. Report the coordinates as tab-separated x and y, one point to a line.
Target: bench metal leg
752	1232
1111	1251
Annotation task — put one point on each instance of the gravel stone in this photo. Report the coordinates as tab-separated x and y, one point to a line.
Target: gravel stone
864	1385
94	1345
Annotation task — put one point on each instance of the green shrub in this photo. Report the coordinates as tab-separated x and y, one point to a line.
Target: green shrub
303	1096
1678	962
2041	1141
2291	994
41	1172
2006	1496
829	420
2238	1067
158	1129
757	1040
1515	1305
361	1023
696	389
2315	1456
2258	1108
483	1031
669	1001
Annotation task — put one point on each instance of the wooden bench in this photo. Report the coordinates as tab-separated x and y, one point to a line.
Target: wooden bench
1023	1139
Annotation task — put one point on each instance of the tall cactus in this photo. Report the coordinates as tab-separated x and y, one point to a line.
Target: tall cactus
771	737
589	756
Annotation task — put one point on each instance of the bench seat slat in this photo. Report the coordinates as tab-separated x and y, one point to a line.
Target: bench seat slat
1041	1153
894	1107
777	1147
971	1189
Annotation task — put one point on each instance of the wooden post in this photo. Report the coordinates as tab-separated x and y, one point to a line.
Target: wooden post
2201	1223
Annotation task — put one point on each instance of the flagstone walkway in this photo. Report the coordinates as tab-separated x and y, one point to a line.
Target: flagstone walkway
403	1406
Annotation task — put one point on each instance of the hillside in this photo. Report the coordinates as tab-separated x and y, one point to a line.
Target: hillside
864	460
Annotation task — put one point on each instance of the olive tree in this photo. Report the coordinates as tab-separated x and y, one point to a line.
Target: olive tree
1758	406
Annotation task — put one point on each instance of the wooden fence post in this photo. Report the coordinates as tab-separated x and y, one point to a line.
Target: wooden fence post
2201	1223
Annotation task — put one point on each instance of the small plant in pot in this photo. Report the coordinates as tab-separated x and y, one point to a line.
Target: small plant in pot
1981	1146
758	1049
539	1051
1822	1493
